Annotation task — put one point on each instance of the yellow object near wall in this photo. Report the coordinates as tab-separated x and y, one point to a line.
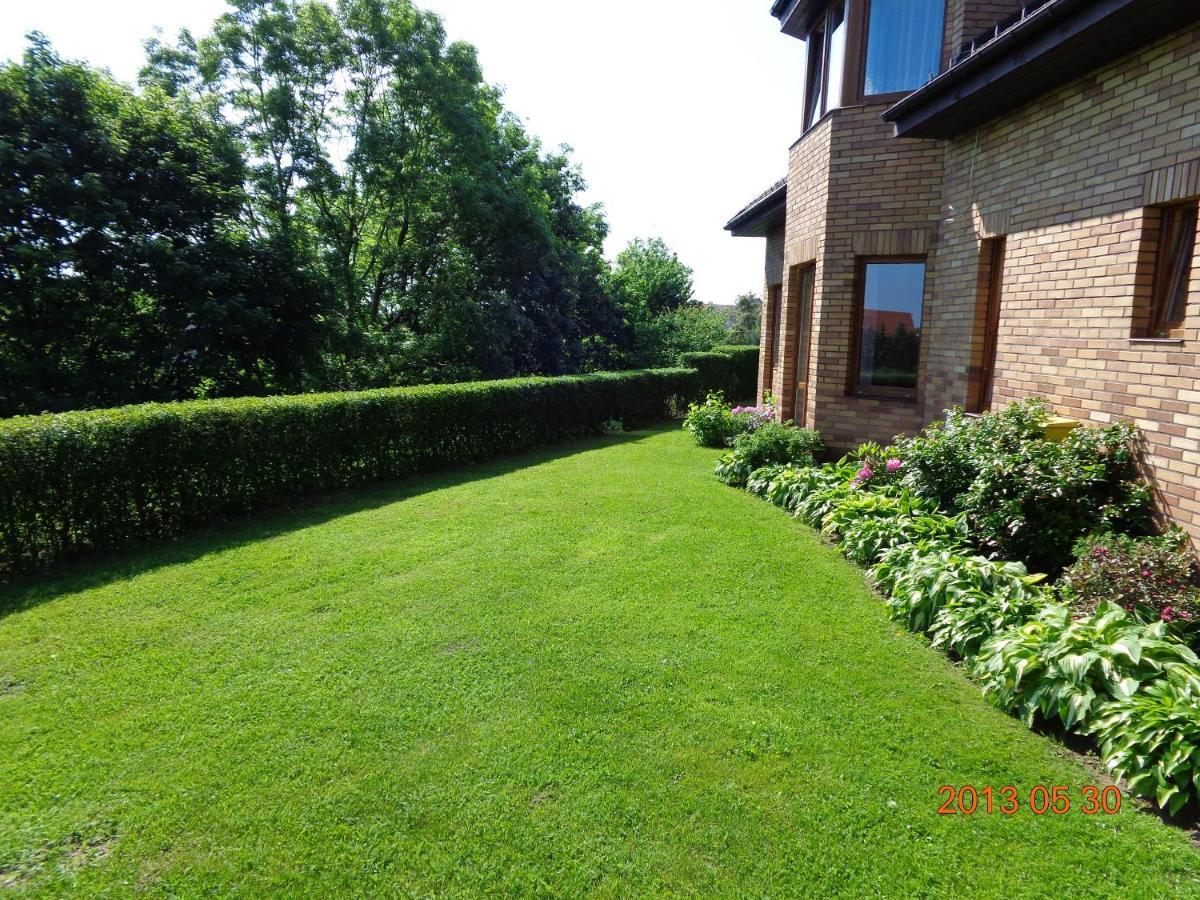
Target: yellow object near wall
1056	428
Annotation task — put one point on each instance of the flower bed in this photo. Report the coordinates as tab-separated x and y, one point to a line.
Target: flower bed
953	526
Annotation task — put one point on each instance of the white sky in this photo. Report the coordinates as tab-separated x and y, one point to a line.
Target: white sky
679	111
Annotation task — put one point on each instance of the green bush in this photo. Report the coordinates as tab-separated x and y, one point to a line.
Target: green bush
867	524
101	480
1151	740
743	386
1153	578
772	444
712	423
1064	668
1026	498
923	585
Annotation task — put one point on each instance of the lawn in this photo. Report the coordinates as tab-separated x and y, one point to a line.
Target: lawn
587	670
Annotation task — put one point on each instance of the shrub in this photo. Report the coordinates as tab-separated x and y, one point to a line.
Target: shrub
732	370
875	466
1063	668
755	417
743	369
1151	740
712	422
923	585
1036	502
867	524
943	461
1153	578
106	479
773	444
1026	498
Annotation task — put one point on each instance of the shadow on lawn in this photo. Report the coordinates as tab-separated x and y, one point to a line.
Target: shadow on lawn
92	571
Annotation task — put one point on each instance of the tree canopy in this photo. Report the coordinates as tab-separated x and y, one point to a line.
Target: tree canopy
309	196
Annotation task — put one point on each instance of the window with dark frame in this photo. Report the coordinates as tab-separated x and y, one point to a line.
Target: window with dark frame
860	49
1173	269
904	44
890	305
775	318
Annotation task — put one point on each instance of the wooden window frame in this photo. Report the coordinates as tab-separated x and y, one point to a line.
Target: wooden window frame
853	386
854	75
773	327
863	28
1172	275
989	297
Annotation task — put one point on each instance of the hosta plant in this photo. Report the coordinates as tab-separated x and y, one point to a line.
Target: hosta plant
931	583
1064	668
796	485
868	524
762	481
970	618
1151	740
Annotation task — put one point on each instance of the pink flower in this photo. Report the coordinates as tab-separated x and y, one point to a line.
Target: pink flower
1168	614
894	465
1145	573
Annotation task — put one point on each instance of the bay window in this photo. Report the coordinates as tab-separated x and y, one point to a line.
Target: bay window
858	49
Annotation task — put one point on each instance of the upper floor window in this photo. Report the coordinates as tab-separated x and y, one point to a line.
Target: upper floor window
825	64
1173	269
904	44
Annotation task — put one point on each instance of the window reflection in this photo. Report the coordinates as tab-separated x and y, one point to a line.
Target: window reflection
890	338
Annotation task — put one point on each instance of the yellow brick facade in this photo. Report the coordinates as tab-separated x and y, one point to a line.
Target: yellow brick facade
1066	181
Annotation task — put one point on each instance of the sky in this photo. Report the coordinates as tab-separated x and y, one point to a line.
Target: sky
679	111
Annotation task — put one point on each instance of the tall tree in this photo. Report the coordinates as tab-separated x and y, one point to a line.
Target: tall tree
124	272
747	321
454	247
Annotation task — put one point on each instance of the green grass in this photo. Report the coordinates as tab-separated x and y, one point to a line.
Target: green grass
590	670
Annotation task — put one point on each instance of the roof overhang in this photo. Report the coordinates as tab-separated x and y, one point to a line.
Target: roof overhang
795	16
766	213
1046	48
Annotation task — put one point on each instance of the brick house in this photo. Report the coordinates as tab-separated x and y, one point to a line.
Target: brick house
1020	183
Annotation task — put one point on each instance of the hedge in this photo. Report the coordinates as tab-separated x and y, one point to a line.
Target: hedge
734	370
745	372
91	481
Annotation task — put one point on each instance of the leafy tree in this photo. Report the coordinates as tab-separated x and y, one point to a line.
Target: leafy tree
124	272
747	323
649	280
453	246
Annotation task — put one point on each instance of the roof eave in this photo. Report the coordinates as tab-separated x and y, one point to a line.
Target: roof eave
1075	36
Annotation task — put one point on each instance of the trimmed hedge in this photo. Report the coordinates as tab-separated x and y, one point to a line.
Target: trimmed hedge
745	372
88	481
733	370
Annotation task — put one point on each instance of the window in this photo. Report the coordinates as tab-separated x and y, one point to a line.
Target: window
1172	269
891	299
773	325
988	290
825	53
904	44
814	106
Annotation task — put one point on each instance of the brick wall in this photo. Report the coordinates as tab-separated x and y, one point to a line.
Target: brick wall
853	190
1067	180
967	19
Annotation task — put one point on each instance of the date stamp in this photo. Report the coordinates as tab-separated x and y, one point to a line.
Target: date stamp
1041	800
